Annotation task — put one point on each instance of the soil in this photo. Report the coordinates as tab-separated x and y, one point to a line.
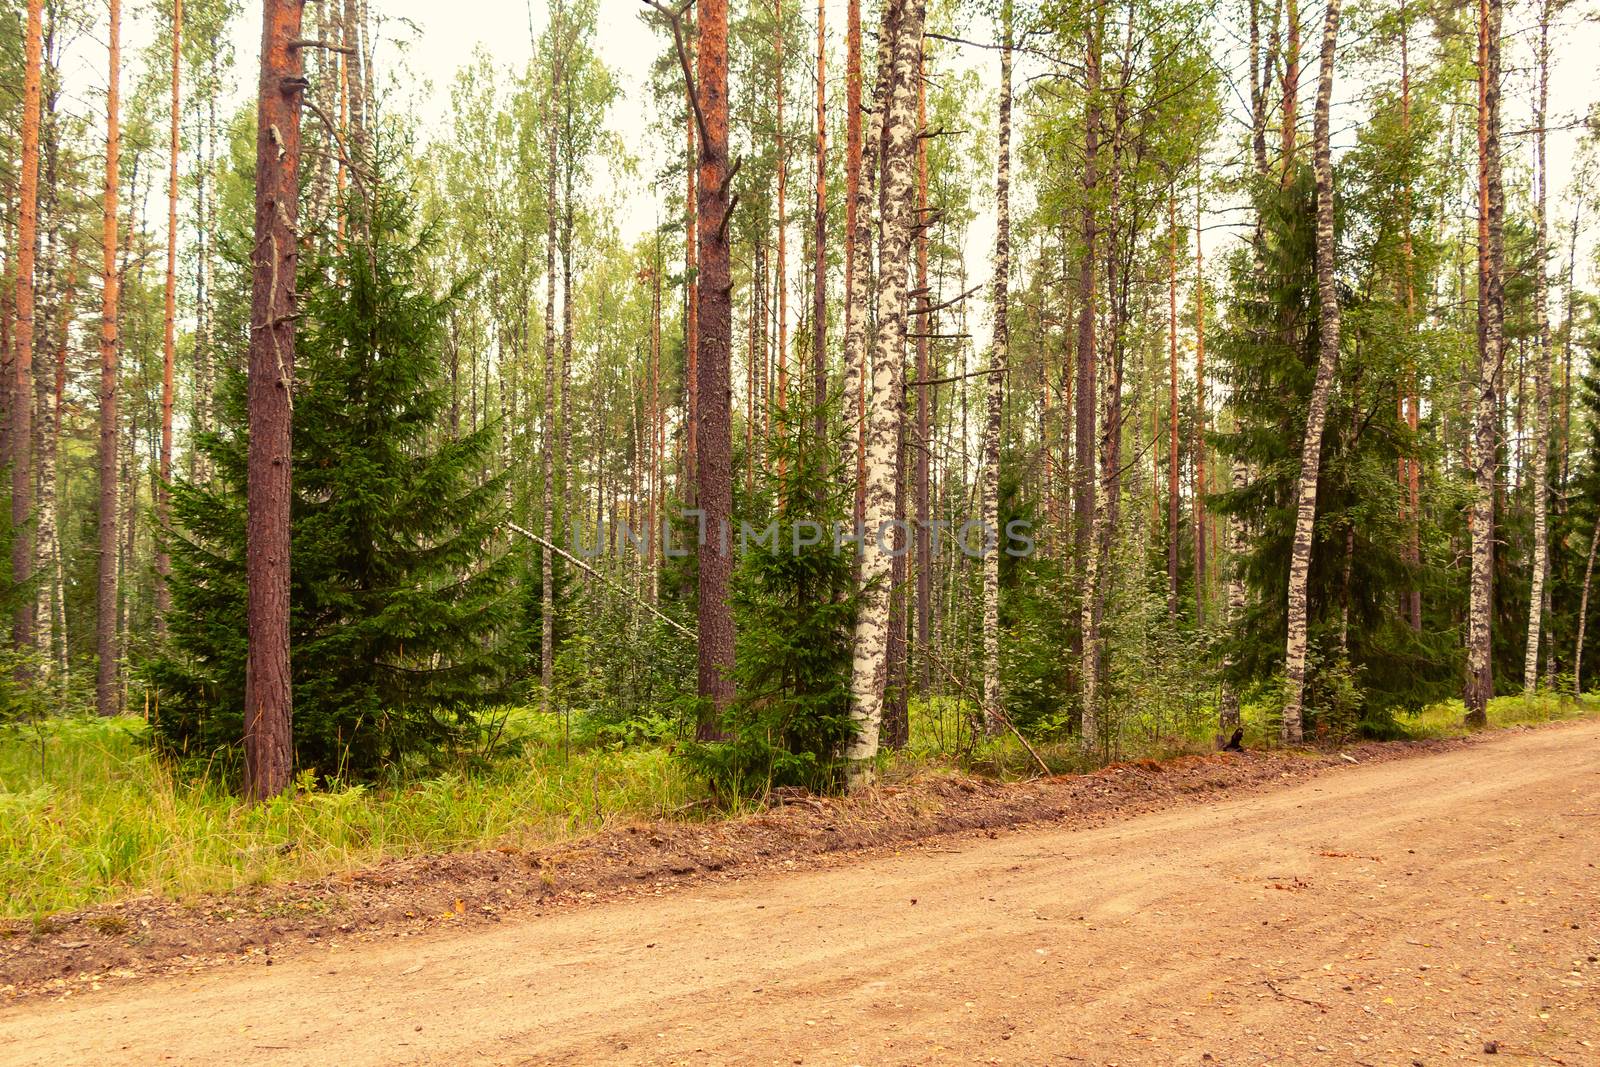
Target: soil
1363	906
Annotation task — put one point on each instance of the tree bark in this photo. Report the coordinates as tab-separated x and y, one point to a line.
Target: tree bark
355	76
922	445
204	354
1295	654
714	459
1201	568
106	585
999	354
547	597
1410	400
1086	394
1583	612
170	336
1291	87
868	672
22	630
819	290
1482	456
852	183
1172	413
691	284
1541	366
860	226
268	738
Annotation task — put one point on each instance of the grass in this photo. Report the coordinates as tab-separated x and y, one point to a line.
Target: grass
1444	719
88	814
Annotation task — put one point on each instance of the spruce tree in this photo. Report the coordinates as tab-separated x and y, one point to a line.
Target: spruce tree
401	602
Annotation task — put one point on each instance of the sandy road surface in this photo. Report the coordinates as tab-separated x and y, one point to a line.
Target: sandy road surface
1402	913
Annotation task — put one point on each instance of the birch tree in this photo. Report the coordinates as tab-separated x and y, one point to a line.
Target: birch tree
1481	453
1295	653
1541	363
993	388
870	660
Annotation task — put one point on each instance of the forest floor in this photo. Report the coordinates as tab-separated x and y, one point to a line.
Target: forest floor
1427	903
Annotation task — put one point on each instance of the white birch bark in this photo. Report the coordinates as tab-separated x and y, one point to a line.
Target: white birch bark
1317	414
855	339
1541	370
869	665
1481	456
993	395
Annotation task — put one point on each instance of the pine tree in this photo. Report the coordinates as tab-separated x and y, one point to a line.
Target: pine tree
399	606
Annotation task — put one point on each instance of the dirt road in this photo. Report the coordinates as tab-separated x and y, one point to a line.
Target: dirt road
1417	912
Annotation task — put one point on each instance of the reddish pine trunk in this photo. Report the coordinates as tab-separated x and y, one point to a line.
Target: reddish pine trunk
106	586
22	632
714	458
268	746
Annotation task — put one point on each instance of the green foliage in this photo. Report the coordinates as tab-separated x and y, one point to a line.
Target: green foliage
1033	621
399	578
795	606
1267	352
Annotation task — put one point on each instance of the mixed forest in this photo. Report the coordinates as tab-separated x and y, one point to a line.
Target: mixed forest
1067	375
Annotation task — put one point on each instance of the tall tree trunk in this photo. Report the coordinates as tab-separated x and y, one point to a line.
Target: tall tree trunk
549	423
999	354
1482	454
1410	400
856	314
22	629
868	672
106	585
355	76
1200	489
204	354
715	461
1258	92
1291	87
783	228
170	336
1295	653
1541	366
896	699
691	318
1172	412
923	443
547	595
1086	395
1583	612
852	185
268	739
656	428
819	290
